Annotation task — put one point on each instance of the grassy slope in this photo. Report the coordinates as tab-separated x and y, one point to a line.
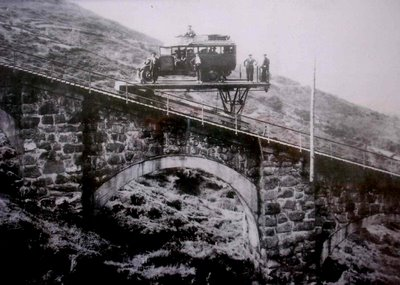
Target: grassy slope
73	35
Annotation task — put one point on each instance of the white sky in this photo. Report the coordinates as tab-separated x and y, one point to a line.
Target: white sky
356	43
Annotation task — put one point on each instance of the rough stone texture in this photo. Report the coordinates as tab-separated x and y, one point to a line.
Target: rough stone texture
284	228
285	193
270	182
286	203
270	195
296	216
31	172
281	218
304	226
29	122
270	221
272	208
44	132
47	120
270	242
288	181
290	204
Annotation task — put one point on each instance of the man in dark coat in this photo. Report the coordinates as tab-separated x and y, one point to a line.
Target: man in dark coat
154	66
249	64
265	69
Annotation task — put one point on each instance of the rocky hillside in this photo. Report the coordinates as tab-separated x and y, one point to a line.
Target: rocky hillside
65	32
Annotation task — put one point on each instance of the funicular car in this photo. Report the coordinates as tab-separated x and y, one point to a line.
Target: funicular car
217	54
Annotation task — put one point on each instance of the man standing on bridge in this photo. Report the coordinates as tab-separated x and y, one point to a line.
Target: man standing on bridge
265	69
249	64
196	62
154	66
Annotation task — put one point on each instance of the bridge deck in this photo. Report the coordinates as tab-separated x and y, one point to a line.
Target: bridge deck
192	84
335	151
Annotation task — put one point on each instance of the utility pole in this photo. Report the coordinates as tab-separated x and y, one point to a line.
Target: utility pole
312	130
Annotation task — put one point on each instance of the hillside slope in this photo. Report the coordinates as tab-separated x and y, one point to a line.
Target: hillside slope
289	103
69	34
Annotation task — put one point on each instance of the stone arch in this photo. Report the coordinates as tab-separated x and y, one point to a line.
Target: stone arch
342	234
245	189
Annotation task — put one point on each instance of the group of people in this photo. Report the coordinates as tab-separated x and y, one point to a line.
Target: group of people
250	63
154	63
195	61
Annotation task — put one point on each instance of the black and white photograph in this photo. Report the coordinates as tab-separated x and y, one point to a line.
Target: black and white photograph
203	142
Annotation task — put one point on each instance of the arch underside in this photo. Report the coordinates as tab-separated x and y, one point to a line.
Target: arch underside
245	189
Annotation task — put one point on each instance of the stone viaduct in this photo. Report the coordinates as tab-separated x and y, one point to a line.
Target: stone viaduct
71	140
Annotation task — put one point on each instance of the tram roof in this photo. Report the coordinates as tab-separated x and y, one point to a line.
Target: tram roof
202	40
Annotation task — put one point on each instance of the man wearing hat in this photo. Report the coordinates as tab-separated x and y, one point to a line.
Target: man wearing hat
265	69
249	64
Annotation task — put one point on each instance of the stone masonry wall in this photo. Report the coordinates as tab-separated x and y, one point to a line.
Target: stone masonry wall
51	135
347	194
287	219
125	136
